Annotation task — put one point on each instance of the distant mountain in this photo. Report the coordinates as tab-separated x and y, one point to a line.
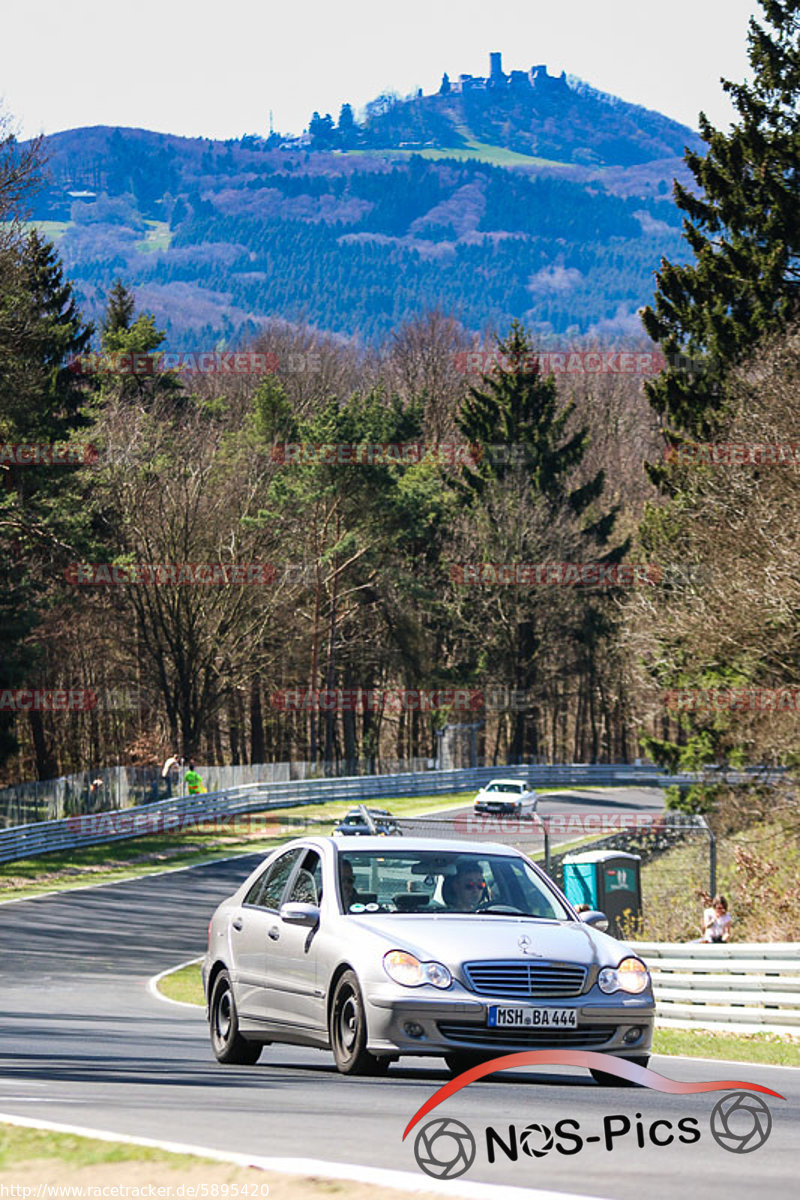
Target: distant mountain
530	113
536	198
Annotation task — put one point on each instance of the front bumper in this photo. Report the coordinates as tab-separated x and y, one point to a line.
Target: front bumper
459	1022
497	808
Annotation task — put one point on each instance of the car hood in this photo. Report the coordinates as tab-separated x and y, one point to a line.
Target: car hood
454	938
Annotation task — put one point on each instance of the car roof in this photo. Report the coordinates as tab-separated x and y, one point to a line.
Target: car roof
415	845
524	782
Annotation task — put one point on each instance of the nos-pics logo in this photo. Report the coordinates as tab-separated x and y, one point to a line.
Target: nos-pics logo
445	1148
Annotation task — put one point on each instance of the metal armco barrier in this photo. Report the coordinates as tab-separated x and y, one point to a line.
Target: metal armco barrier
42	837
738	987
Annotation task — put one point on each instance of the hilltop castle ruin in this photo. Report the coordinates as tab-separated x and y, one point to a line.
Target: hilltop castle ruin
536	78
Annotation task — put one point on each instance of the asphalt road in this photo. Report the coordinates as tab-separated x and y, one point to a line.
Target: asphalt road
82	1041
594	812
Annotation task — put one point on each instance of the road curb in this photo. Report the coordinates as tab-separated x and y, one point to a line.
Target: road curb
154	980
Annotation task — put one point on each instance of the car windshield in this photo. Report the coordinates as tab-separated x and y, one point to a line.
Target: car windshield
357	818
505	787
372	881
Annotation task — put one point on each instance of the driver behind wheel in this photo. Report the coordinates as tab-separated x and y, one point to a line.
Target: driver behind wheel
467	889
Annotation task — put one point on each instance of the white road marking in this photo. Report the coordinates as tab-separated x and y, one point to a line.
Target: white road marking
405	1181
154	980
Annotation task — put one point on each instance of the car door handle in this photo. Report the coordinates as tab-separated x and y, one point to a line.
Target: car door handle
237	923
274	933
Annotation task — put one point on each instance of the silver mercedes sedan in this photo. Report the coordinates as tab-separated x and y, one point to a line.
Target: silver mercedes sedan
453	949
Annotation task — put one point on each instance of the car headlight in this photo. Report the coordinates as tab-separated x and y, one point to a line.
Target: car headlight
407	970
630	976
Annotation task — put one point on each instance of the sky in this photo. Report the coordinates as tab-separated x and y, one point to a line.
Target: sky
212	69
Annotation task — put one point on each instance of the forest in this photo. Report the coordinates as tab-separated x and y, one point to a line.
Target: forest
218	238
430	535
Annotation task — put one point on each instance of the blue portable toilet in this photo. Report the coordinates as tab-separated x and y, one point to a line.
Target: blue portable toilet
609	881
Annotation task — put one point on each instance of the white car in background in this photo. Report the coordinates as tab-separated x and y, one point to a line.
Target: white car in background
512	796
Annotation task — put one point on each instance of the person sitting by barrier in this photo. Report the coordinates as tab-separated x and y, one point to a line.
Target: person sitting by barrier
716	921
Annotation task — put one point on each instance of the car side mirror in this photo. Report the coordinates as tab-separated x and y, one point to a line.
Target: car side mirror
597	920
294	913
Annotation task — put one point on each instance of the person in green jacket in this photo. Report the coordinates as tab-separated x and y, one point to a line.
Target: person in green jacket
193	781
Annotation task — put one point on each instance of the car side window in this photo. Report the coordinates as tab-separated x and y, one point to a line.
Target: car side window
307	886
267	890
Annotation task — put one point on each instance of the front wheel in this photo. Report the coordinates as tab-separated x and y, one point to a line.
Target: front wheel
227	1043
348	1031
606	1079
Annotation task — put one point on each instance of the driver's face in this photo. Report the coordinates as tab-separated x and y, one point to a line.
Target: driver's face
469	890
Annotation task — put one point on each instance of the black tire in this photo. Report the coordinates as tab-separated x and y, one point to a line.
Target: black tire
606	1079
459	1061
348	1031
227	1043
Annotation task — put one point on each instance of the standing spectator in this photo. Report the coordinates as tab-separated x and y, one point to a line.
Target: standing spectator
716	921
96	795
173	763
193	781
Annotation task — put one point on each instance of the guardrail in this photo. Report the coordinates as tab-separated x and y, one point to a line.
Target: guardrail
743	987
43	837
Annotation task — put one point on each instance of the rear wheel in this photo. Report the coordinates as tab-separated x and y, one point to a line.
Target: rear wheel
227	1043
348	1031
606	1079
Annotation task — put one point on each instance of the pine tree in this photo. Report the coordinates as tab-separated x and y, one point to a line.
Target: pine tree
346	125
517	418
710	316
119	309
122	339
40	511
522	503
744	230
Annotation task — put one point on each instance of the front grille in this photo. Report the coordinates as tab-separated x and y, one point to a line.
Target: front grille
526	1039
526	980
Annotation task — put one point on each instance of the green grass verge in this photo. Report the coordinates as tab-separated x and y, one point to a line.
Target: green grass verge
20	1145
185	985
771	1048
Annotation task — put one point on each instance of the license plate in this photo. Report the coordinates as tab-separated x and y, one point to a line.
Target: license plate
506	1016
